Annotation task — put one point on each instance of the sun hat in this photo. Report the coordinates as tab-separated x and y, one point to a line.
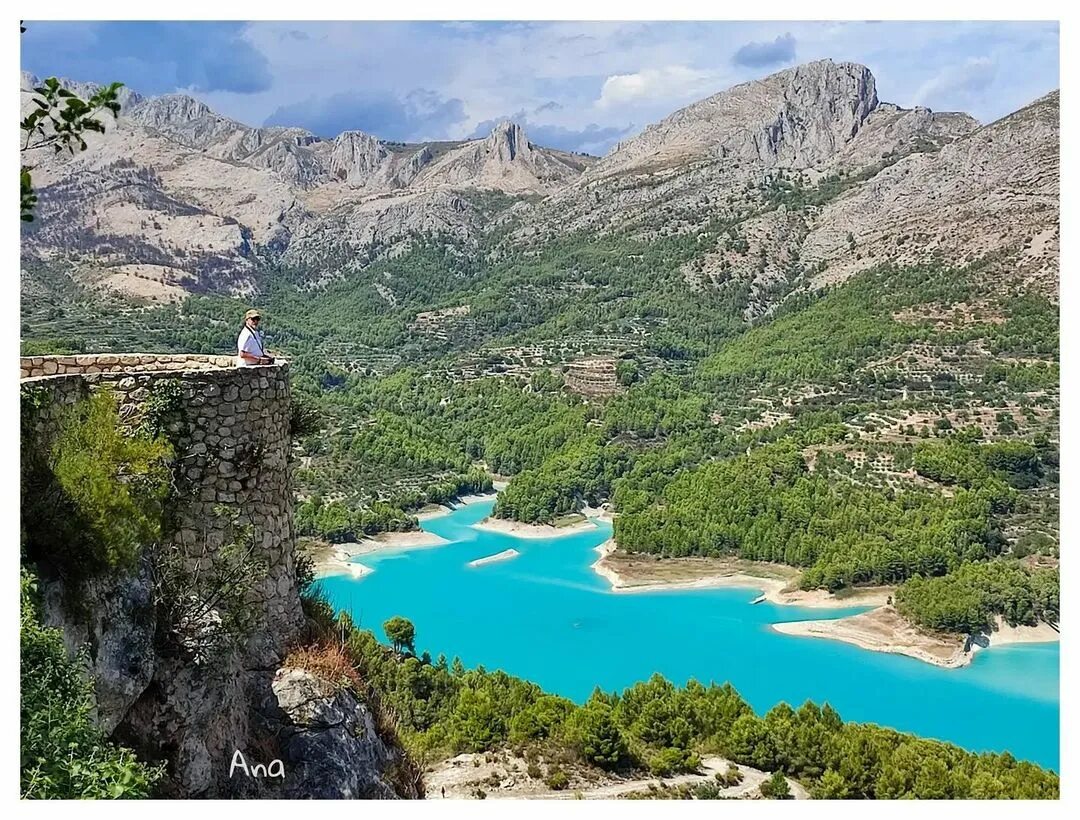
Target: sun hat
253	314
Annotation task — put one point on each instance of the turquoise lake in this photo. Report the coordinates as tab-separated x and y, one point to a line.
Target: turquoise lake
547	617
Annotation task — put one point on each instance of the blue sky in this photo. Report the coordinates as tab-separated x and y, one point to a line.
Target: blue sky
574	85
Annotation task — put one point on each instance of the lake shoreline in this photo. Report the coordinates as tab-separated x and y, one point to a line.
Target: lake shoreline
439	510
518	529
546	616
885	630
880	629
338	559
737	575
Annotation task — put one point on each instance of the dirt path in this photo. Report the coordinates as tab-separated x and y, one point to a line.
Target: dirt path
752	779
458	779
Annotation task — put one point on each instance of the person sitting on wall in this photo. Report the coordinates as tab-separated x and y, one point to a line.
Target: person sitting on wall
250	350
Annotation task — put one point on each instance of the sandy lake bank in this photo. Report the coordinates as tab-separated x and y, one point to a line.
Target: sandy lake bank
629	573
520	530
337	559
505	555
885	630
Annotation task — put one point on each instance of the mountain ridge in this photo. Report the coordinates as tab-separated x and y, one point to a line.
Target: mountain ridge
334	205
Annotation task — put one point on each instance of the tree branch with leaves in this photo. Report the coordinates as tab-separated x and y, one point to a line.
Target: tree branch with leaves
61	120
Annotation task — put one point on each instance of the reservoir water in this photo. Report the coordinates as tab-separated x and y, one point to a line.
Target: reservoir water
546	616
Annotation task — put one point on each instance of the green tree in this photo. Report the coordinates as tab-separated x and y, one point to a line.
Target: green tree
401	633
776	787
832	786
593	733
627	372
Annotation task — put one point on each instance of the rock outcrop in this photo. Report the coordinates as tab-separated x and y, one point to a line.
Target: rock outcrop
886	183
357	159
178	186
796	118
183	671
327	738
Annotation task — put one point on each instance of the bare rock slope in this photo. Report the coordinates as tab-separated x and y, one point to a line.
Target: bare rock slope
810	176
175	185
812	179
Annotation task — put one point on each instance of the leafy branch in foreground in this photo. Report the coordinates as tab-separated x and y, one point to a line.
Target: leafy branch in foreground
60	121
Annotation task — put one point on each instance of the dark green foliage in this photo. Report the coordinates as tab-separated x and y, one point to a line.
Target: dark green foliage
592	732
63	755
968	599
304	418
766	506
627	372
557	781
401	632
971	465
542	719
338	523
94	497
161	410
830	338
204	606
52	347
776	787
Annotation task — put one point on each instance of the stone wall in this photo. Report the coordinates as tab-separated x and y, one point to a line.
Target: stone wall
230	428
36	366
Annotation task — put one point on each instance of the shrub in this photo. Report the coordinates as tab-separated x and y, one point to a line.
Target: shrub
557	780
206	604
96	496
706	791
776	787
304	418
671	760
732	777
63	755
327	661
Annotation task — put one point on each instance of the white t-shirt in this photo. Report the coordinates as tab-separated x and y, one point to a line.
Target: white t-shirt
250	343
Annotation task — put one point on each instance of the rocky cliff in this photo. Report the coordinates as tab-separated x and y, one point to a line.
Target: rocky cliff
817	176
197	196
185	671
174	185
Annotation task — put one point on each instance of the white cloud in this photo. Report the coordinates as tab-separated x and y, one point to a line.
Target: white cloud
668	82
608	76
964	82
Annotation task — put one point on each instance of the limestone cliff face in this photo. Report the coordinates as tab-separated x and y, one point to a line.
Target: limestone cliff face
169	680
328	739
996	188
507	161
909	185
196	195
358	158
795	118
177	186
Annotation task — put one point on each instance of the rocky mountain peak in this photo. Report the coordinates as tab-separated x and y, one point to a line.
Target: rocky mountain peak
355	156
506	141
798	117
126	97
169	110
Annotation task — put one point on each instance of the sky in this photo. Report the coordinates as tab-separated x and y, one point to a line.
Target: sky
577	86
